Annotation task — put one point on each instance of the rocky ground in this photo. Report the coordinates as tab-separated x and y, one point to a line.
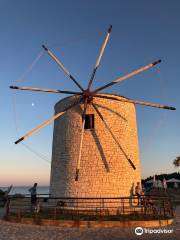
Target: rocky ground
16	231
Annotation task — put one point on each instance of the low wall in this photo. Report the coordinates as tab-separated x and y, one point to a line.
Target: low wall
94	224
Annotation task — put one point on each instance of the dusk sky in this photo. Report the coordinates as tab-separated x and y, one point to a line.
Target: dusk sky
143	31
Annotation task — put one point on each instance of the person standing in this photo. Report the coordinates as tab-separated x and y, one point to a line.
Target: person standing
138	192
6	193
33	191
164	184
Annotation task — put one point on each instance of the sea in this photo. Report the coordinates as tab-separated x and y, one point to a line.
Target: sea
42	190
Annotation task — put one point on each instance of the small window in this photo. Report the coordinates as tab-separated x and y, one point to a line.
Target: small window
89	121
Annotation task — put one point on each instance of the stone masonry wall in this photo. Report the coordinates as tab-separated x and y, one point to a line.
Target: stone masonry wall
104	172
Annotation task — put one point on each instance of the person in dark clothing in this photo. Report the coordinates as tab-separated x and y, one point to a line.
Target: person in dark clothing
6	193
33	191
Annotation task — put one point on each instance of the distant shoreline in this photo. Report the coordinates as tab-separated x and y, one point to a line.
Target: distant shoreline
24	189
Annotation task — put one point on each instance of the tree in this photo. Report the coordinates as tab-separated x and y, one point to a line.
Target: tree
176	161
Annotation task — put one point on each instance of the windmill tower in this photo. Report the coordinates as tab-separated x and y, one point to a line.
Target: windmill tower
95	144
105	169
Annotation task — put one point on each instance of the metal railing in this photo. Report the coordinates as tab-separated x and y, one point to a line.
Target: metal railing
120	208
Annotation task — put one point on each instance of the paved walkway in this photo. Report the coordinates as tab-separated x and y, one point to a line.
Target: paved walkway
16	231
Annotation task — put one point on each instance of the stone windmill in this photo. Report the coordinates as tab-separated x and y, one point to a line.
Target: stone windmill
95	143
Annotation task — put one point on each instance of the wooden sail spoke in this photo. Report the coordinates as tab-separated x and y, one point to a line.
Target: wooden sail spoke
128	75
44	90
45	123
137	102
81	141
99	57
62	67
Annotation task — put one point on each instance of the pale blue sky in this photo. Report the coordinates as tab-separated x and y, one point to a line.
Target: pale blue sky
143	31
